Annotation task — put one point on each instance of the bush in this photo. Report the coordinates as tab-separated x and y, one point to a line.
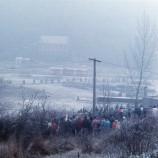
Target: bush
38	147
137	137
60	144
10	149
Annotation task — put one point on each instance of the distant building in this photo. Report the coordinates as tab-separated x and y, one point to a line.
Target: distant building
145	101
53	46
68	71
21	60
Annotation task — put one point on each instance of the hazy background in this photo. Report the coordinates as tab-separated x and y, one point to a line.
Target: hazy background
95	28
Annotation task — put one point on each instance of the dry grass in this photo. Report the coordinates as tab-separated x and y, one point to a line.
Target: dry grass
112	145
37	148
56	145
10	149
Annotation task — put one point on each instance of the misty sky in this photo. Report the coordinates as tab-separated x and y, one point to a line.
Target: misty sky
100	28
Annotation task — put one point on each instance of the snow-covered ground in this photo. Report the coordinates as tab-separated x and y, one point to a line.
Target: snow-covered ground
65	97
62	96
59	96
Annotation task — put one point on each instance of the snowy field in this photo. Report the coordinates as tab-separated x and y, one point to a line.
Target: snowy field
65	97
59	96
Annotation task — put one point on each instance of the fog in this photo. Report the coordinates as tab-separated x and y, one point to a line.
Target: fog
94	28
66	87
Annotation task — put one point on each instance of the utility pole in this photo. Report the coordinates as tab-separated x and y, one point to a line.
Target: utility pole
94	83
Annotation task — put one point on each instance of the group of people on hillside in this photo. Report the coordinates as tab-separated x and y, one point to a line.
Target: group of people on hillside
83	125
113	119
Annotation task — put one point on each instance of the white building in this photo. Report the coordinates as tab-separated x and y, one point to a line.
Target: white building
21	60
53	45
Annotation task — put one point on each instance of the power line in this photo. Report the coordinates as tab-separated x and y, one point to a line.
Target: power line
125	67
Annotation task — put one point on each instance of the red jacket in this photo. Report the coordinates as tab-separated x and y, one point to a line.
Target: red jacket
114	125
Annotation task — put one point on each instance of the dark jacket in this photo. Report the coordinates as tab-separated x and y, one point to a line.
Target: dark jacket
86	123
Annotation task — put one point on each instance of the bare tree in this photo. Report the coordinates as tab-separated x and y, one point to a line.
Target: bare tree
141	53
106	95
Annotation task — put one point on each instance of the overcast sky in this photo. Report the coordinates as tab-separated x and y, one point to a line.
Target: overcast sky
100	28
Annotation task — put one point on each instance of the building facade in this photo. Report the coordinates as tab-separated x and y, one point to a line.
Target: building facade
53	47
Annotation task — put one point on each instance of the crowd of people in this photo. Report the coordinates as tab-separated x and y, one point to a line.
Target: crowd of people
81	124
105	120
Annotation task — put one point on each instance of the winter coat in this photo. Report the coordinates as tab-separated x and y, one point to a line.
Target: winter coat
79	124
114	124
107	124
95	123
73	124
86	123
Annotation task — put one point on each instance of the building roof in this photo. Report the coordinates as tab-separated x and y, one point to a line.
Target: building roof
119	99
68	68
54	39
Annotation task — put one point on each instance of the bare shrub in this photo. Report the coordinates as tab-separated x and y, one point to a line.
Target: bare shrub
60	144
135	138
138	138
86	145
10	149
6	126
38	147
